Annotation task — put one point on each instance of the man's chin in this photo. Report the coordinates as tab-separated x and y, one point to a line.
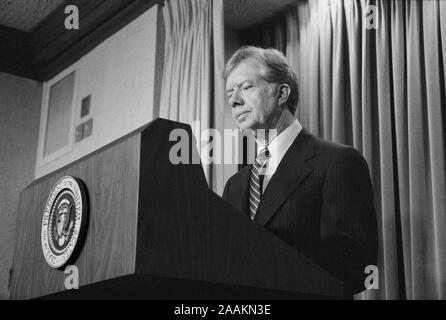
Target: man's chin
244	127
247	125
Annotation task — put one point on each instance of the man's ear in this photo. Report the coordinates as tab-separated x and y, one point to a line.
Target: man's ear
284	93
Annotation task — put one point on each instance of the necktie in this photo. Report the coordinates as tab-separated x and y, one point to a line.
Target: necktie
255	186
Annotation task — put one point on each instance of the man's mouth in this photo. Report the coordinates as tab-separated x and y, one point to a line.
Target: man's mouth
238	114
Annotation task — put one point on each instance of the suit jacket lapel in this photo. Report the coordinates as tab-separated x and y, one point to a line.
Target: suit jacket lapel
290	173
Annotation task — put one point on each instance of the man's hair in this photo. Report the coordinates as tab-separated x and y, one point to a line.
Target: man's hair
278	70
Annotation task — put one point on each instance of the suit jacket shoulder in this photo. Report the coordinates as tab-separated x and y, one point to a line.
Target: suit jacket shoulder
329	154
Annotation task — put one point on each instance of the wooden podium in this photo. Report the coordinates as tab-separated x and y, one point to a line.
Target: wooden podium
156	231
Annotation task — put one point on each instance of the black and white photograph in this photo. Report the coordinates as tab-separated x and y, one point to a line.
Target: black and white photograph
223	155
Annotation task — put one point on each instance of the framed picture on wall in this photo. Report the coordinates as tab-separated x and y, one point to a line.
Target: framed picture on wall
57	124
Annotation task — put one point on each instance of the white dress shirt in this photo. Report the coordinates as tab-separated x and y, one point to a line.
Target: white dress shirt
277	147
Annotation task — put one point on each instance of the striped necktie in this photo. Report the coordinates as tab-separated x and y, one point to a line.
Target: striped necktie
255	187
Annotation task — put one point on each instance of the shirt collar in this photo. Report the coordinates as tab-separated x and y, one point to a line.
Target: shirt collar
280	143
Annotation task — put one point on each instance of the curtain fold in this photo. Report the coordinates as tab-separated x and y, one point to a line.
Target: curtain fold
385	195
194	53
382	90
435	144
186	94
219	171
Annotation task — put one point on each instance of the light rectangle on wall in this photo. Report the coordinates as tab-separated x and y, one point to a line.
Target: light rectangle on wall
60	108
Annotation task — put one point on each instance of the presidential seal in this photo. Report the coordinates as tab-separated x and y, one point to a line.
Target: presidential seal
64	221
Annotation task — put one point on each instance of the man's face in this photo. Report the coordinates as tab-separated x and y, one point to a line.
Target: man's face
254	101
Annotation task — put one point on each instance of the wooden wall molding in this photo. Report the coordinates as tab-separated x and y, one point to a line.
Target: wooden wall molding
16	53
50	48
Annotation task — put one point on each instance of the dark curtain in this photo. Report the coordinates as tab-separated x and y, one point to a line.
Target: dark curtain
381	90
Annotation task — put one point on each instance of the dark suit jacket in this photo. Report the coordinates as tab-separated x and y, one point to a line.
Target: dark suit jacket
320	201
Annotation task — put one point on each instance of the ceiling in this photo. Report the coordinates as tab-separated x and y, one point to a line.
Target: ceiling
26	14
240	14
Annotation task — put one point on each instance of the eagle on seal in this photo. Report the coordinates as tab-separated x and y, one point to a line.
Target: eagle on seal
64	222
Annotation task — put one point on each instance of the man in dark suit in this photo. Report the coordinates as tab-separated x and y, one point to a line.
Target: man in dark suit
313	194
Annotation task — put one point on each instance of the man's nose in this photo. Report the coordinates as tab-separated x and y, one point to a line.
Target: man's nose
236	99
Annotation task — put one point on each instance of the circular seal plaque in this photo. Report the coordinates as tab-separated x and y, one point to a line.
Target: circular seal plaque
64	221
